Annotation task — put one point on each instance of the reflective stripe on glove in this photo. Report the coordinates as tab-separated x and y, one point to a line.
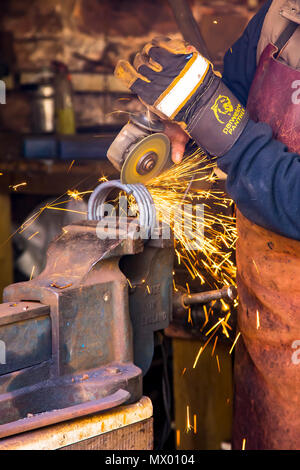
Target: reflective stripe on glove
178	83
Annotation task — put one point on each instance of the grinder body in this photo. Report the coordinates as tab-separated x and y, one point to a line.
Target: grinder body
141	151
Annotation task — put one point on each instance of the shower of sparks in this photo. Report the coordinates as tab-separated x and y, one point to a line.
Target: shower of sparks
195	424
211	253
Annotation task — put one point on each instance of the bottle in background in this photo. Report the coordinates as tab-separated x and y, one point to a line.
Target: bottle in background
43	104
64	109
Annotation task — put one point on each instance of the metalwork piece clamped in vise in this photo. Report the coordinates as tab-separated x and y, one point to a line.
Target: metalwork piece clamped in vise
141	151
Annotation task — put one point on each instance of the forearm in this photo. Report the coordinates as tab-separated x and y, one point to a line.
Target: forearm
264	180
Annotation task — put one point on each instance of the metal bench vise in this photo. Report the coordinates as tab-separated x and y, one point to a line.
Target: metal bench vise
75	334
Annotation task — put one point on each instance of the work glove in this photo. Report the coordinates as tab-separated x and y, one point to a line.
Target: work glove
176	82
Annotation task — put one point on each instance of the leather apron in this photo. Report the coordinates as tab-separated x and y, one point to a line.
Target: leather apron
267	361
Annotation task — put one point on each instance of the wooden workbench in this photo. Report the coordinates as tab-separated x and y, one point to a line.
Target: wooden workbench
127	427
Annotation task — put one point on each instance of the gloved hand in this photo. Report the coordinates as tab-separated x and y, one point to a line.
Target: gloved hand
178	139
178	83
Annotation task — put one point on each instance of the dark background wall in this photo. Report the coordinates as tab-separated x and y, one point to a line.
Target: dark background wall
90	36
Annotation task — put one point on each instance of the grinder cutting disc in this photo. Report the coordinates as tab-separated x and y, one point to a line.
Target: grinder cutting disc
146	160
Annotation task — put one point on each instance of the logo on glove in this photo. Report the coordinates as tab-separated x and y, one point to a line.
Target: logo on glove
222	106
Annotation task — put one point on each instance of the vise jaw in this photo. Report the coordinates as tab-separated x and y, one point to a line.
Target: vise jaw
68	333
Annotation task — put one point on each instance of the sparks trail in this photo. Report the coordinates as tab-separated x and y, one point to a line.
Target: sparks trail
209	253
75	194
72	193
204	240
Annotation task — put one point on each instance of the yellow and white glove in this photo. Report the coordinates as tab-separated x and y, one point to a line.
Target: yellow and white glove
176	82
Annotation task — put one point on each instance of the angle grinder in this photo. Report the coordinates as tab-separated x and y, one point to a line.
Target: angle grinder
141	151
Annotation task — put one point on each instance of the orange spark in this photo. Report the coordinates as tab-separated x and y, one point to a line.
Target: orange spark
190	315
214	346
203	347
188	421
255	266
218	363
215	325
70	167
76	194
33	235
16	186
102	179
235	341
257	320
177	437
53	284
32	271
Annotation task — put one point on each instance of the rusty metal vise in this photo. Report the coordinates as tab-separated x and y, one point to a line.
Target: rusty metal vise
69	332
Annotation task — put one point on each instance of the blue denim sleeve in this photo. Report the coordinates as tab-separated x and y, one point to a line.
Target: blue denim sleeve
264	180
263	176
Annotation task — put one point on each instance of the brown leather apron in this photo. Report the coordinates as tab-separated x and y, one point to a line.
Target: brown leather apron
267	366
